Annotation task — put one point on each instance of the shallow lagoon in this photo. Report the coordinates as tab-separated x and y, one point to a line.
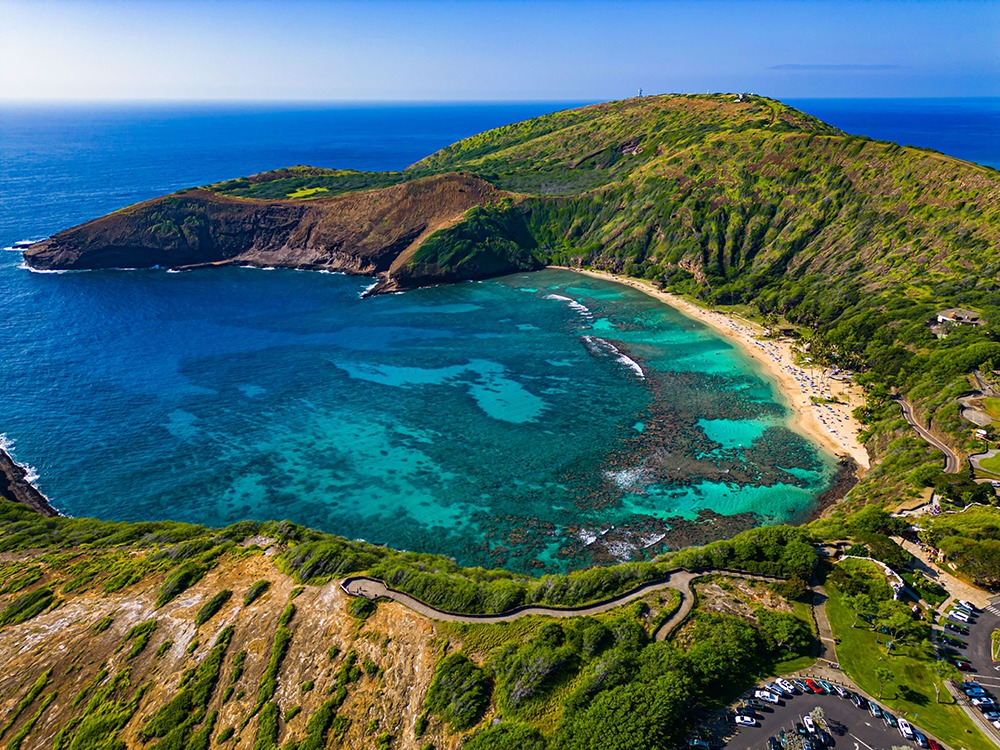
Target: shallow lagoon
538	421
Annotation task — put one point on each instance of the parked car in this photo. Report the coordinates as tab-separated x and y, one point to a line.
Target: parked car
827	687
840	691
956	628
813	686
809	724
745	721
919	738
968	605
858	701
970	684
773	744
787	686
778	690
934	744
905	729
954	642
960	616
801	685
889	719
975	692
767	695
963	666
874	709
984	704
991	715
800	729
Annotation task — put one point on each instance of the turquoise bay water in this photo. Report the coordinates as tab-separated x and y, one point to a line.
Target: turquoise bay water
543	420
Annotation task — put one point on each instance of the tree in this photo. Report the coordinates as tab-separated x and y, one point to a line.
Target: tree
861	604
883	675
946	671
637	716
783	631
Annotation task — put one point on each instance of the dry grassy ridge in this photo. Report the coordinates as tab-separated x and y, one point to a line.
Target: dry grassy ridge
87	636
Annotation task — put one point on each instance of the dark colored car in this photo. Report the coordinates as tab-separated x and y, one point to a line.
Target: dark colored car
934	744
956	628
773	744
858	701
963	666
801	729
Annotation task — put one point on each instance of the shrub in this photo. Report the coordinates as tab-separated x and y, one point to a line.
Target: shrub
140	635
212	606
103	624
361	608
257	589
179	580
459	692
27	606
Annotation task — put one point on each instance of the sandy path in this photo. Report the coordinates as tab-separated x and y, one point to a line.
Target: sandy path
830	425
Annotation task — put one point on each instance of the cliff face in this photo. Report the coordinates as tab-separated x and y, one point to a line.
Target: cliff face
363	233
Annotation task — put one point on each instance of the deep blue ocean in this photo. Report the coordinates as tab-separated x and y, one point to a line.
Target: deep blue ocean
539	421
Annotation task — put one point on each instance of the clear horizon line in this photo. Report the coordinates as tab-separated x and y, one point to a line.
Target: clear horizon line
377	102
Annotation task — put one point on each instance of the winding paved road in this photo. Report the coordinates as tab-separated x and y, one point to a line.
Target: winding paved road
679	580
952	462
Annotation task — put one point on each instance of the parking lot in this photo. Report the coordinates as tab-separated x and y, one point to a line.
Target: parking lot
979	649
851	728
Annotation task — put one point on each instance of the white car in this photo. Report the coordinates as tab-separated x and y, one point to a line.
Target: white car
785	685
968	605
906	729
809	724
840	691
745	721
960	616
766	695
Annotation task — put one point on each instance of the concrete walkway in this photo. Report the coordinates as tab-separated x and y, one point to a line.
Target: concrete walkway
679	580
957	589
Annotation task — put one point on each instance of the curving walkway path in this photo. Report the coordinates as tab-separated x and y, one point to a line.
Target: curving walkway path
952	462
680	580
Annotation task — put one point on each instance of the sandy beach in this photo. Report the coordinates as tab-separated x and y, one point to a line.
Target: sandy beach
829	424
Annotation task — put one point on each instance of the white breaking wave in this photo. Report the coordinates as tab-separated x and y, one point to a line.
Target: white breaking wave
573	304
599	346
25	267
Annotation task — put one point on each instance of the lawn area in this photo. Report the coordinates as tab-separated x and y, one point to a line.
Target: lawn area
911	690
304	192
992	407
991	464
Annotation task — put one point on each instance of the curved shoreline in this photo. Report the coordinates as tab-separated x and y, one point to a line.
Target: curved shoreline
836	429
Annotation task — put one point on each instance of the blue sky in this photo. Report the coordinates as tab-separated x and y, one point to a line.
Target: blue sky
554	50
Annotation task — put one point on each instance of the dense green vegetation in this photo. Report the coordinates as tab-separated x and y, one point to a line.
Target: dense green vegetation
459	692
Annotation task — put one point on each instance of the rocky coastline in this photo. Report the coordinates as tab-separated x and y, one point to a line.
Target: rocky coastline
14	485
